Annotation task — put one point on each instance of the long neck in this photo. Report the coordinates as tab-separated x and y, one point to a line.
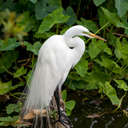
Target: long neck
78	48
71	32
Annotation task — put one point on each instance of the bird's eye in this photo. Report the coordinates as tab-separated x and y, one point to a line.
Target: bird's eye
71	47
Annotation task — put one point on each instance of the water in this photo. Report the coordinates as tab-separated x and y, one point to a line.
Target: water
93	112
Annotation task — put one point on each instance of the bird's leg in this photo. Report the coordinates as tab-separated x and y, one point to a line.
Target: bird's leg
62	104
63	119
57	98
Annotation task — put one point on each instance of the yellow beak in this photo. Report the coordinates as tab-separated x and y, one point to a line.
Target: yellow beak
97	37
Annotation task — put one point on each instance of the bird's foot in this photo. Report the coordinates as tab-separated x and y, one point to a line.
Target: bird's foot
64	120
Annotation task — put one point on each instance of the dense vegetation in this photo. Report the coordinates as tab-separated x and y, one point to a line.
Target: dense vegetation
26	24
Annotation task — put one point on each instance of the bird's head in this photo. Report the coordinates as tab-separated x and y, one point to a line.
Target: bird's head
79	30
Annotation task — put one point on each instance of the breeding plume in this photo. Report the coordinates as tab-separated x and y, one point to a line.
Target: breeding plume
56	57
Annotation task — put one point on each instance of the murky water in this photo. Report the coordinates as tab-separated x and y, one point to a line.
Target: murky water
93	112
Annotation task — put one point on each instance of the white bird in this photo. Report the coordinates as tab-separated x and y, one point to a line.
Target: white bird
56	57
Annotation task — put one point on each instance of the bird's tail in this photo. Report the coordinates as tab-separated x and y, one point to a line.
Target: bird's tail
36	105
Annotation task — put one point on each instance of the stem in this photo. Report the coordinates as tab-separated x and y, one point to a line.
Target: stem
99	29
7	71
120	35
19	93
57	29
102	27
14	96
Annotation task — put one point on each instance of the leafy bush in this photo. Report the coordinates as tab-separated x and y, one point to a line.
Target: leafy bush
25	25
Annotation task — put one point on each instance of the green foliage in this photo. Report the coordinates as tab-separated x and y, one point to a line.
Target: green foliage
21	71
98	2
122	85
33	48
56	17
113	18
33	1
94	49
7	121
121	6
88	24
69	105
111	93
25	25
72	19
44	7
64	95
7	59
6	87
13	108
82	67
11	44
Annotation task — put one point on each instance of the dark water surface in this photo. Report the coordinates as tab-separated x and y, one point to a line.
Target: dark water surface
94	112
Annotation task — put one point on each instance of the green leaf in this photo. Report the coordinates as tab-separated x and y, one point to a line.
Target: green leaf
118	49
125	21
33	1
77	85
113	18
64	95
109	64
33	48
72	85
7	5
111	93
44	35
108	50
82	67
26	21
6	87
121	6
95	47
80	84
122	84
9	119
69	105
70	12
92	26
98	2
44	7
102	19
11	44
7	59
121	50
16	86
94	78
4	123
13	108
20	71
56	17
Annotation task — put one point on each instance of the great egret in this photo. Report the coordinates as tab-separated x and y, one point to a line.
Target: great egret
56	57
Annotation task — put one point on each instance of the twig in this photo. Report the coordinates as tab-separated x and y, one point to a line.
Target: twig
99	30
20	61
121	35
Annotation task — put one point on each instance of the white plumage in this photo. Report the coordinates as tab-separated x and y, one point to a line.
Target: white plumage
56	57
